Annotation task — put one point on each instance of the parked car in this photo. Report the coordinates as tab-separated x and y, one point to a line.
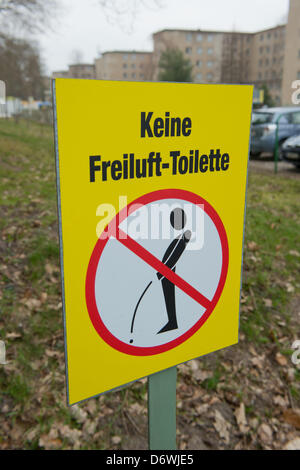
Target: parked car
291	150
263	131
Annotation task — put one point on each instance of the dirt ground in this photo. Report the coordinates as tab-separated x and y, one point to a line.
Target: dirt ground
266	165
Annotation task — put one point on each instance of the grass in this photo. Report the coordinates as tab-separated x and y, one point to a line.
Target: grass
33	382
271	267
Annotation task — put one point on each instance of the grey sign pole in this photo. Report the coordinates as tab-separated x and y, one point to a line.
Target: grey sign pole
162	410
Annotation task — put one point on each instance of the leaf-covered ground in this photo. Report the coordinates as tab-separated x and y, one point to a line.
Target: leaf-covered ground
245	397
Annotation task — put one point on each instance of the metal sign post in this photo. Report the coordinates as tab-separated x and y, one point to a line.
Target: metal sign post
162	410
276	145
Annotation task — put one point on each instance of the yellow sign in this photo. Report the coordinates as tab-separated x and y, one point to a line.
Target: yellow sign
151	194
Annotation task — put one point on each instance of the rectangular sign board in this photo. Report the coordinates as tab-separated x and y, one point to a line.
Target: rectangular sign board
151	181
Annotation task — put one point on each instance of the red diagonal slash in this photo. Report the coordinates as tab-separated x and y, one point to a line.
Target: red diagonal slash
156	264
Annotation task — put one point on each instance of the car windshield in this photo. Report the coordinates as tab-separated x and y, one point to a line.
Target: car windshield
261	118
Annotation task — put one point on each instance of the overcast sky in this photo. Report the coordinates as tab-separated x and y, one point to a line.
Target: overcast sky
83	25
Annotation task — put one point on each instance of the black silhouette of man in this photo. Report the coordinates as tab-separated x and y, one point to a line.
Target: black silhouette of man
170	258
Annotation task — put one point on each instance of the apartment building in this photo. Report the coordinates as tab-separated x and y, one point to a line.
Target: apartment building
229	57
267	60
60	74
124	65
77	71
291	66
202	48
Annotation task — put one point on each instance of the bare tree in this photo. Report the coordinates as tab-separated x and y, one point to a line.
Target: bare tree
125	12
235	58
21	68
76	56
34	15
29	15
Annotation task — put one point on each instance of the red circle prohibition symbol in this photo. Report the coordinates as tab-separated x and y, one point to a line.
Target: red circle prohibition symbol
112	229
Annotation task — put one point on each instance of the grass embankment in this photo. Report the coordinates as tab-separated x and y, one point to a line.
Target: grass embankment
32	397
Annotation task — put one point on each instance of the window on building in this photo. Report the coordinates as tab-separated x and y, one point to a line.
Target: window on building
199	50
209	76
267	49
133	66
199	63
262	37
261	50
210	63
125	56
188	50
133	57
199	37
269	35
124	75
124	66
267	61
210	38
133	75
209	50
199	76
189	37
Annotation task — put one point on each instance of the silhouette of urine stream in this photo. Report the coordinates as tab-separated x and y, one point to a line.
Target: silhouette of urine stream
136	308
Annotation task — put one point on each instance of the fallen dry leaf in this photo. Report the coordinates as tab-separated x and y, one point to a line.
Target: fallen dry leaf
137	408
265	433
268	302
258	361
202	375
294	444
73	435
78	413
222	426
49	443
280	359
253	246
50	269
116	440
289	287
292	416
294	253
241	419
91	407
280	401
89	427
13	335
43	297
32	304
